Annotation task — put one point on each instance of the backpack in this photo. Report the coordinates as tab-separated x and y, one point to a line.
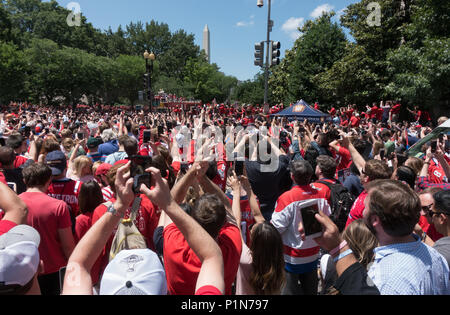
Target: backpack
341	203
127	235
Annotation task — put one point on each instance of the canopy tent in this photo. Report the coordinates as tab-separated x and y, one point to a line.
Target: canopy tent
301	111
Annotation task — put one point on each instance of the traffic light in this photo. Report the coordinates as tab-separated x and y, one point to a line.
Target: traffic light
259	54
275	53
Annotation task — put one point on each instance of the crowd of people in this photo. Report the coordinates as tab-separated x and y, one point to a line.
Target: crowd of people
222	200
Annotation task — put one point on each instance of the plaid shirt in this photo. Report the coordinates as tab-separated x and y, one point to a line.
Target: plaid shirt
424	183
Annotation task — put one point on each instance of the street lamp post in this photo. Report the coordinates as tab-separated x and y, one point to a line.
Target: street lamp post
260	3
149	71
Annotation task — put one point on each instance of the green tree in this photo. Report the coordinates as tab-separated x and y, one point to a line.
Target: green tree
251	91
421	76
351	80
128	76
12	73
321	44
5	25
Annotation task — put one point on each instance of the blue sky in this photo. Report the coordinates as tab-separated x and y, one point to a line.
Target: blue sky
235	25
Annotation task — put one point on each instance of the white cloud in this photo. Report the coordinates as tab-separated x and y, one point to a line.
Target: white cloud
340	13
321	9
291	26
246	23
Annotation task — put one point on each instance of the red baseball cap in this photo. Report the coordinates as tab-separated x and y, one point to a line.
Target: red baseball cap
103	169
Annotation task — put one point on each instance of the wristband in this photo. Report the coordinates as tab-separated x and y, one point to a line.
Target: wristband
338	249
344	254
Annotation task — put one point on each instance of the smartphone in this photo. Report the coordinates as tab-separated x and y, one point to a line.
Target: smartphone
382	153
144	179
13	186
312	227
433	146
160	130
239	168
147	135
137	171
80	136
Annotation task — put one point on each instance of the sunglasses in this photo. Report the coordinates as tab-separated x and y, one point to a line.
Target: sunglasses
427	210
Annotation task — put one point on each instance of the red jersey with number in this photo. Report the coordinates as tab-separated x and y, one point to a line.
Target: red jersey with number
342	157
247	218
436	173
66	190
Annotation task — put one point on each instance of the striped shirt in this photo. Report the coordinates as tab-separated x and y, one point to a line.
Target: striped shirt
107	194
95	157
299	256
412	268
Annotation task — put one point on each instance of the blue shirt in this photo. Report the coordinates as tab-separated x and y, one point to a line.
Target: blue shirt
410	269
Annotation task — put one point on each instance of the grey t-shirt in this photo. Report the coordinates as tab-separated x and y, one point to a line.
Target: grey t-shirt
443	247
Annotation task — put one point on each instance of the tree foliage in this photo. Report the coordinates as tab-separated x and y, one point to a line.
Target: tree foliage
71	62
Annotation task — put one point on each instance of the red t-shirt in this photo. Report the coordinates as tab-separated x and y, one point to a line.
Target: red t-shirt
82	224
379	114
396	109
344	123
349	113
358	208
48	215
374	112
66	190
182	265
355	121
5	226
19	161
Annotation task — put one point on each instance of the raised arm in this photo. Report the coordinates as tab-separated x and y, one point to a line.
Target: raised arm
203	245
15	209
78	280
356	157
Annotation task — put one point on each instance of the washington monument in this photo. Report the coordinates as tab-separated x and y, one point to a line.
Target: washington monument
207	43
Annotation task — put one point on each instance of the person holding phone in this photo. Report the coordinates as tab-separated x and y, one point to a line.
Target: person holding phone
297	208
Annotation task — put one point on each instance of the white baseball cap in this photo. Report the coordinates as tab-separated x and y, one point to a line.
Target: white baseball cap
19	256
134	272
180	139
